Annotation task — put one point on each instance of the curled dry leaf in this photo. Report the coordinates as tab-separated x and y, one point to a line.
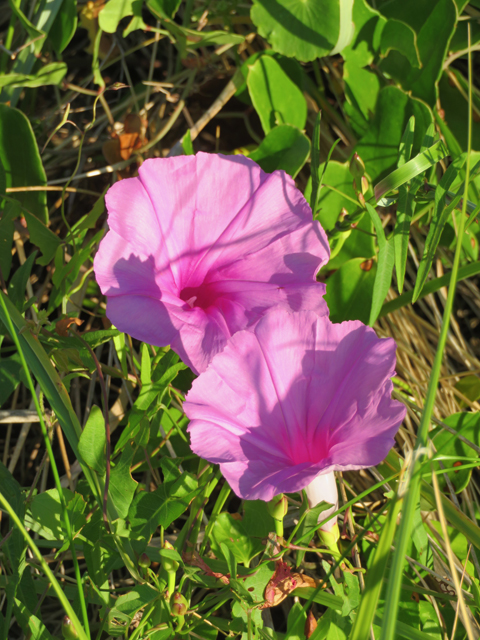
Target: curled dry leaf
283	582
310	624
64	325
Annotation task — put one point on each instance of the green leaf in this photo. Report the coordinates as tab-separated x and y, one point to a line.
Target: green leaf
31	625
275	97
409	170
446	444
18	282
116	10
21	161
441	214
258	523
90	219
301	29
7	229
383	276
164	8
315	163
405	207
285	147
350	291
233	534
401	37
187	144
11	374
50	74
162	506
431	286
434	25
46	513
64	26
362	87
392	112
122	486
92	442
366	38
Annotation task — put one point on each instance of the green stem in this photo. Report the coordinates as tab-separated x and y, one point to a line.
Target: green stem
53	464
54	582
412	486
279	528
171	582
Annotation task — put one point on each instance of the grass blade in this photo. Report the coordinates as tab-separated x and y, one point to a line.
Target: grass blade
439	219
409	170
412	490
383	277
315	165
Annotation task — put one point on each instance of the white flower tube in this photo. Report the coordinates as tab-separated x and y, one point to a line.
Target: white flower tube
324	488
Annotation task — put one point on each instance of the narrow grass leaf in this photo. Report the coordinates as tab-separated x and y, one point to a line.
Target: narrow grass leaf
375	576
405	207
409	170
315	163
467	271
383	276
441	214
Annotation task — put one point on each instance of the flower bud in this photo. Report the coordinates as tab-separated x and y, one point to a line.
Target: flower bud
278	507
357	167
68	630
178	604
169	564
144	561
361	199
364	183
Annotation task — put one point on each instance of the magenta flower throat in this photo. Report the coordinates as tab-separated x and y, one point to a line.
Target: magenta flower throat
295	398
201	247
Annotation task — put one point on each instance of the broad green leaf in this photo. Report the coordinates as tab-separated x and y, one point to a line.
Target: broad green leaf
116	10
162	506
367	35
301	29
454	120
296	622
46	513
31	625
64	26
50	74
275	97
401	37
93	441
392	112
21	160
470	387
131	602
434	24
362	87
258	523
122	486
233	534
285	147
164	8
441	214
350	290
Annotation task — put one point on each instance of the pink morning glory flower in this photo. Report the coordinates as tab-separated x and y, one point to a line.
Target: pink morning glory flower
201	247
292	400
